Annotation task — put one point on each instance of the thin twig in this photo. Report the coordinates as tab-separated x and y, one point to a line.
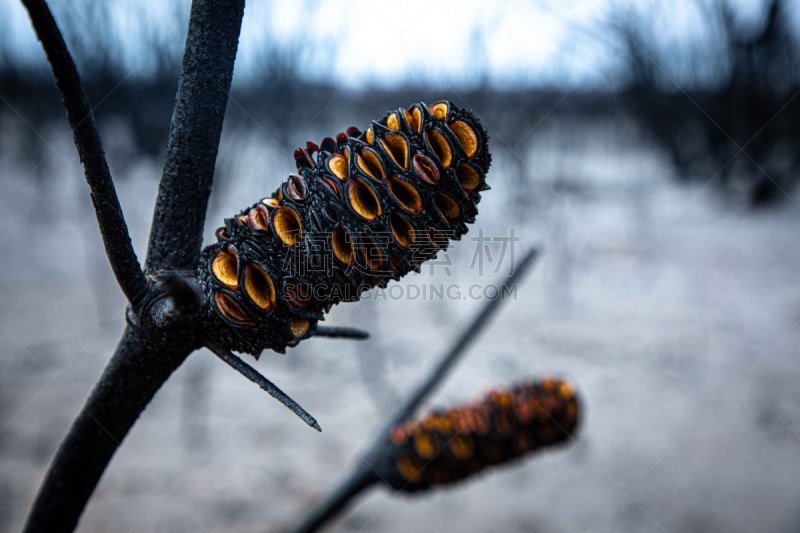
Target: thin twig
336	332
364	475
253	375
113	229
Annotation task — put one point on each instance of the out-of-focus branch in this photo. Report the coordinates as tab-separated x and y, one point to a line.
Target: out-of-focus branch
113	229
205	81
365	473
472	331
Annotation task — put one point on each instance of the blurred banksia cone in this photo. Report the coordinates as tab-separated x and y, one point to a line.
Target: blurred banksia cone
362	209
447	446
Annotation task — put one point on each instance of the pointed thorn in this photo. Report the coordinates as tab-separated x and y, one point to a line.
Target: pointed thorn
252	374
341	333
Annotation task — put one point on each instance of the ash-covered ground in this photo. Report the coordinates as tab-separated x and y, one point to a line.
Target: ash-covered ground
676	314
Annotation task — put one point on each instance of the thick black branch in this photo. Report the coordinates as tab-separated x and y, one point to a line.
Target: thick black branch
211	43
116	239
163	328
127	385
364	475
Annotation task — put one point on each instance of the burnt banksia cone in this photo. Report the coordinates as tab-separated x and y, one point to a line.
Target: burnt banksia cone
362	209
447	446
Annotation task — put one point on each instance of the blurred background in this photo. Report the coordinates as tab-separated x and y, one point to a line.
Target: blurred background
649	148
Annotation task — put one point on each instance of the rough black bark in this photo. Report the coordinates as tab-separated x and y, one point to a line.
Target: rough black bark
162	328
104	196
177	230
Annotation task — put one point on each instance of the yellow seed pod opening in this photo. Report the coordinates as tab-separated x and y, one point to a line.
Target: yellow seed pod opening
337	164
287	226
402	230
342	246
392	123
369	162
363	199
259	287
231	310
550	383
504	399
440	147
370	135
439	109
407	468
414	118
448	207
566	390
299	326
461	446
406	195
226	268
271	202
397	148
466	136
424	445
468	177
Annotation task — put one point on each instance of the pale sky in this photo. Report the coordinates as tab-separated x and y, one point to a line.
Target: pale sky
540	42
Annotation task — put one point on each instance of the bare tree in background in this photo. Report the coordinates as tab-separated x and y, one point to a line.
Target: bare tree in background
730	102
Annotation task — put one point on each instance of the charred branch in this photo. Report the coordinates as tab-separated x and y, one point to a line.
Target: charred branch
113	229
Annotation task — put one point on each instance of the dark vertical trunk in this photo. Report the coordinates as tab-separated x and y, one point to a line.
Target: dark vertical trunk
133	376
149	352
177	231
